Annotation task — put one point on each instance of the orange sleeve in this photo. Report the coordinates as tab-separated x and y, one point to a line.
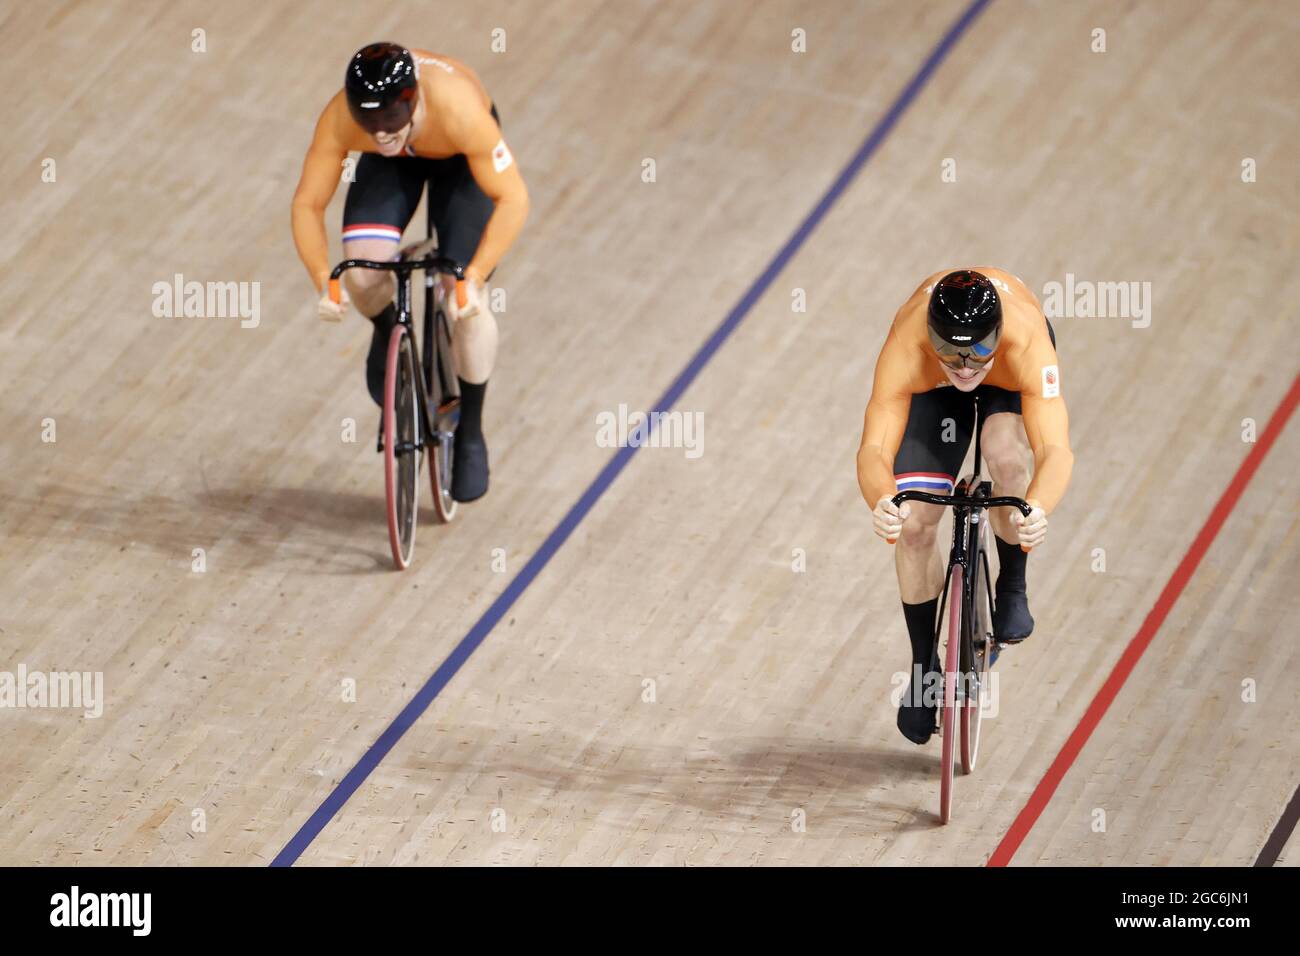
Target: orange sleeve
320	177
493	166
885	419
1047	424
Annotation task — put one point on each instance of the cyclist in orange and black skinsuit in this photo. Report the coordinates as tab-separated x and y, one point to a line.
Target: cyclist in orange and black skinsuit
417	118
917	429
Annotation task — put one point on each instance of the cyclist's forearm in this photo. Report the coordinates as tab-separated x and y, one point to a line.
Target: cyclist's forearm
1052	468
875	476
309	238
503	228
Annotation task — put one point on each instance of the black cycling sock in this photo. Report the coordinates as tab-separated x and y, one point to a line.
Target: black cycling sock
920	630
1011	571
387	318
377	357
471	407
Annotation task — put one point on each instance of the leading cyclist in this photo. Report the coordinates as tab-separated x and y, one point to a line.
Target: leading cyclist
965	334
416	118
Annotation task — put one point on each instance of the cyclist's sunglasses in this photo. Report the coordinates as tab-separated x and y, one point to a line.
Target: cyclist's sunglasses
976	355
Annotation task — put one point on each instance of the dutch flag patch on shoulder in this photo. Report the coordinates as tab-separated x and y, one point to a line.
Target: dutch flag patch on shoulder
501	158
1051	381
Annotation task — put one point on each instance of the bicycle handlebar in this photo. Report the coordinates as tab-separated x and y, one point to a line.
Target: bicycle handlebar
429	263
964	501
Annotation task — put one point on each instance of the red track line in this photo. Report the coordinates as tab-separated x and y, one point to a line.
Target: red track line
1037	802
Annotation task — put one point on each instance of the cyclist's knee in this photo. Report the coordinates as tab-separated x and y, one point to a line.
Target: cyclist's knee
370	289
1005	450
922	524
1008	465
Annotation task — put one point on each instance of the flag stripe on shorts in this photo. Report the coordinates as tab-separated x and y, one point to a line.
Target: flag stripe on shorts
372	230
924	481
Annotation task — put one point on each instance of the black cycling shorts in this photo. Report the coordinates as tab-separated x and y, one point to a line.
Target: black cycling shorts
386	192
940	425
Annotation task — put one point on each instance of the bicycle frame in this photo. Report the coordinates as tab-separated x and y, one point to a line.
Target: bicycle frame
969	500
430	264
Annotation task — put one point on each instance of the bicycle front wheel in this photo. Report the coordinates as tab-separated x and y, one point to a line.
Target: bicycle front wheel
402	446
951	675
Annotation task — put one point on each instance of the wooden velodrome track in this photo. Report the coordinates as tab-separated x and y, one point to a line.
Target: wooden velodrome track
224	689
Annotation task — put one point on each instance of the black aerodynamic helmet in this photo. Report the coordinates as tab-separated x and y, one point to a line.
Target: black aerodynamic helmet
965	315
381	84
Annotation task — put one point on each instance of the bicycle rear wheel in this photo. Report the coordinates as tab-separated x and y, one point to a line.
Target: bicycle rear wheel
951	675
978	678
402	452
444	398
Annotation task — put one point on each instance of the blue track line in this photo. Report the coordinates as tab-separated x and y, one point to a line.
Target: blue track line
555	540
